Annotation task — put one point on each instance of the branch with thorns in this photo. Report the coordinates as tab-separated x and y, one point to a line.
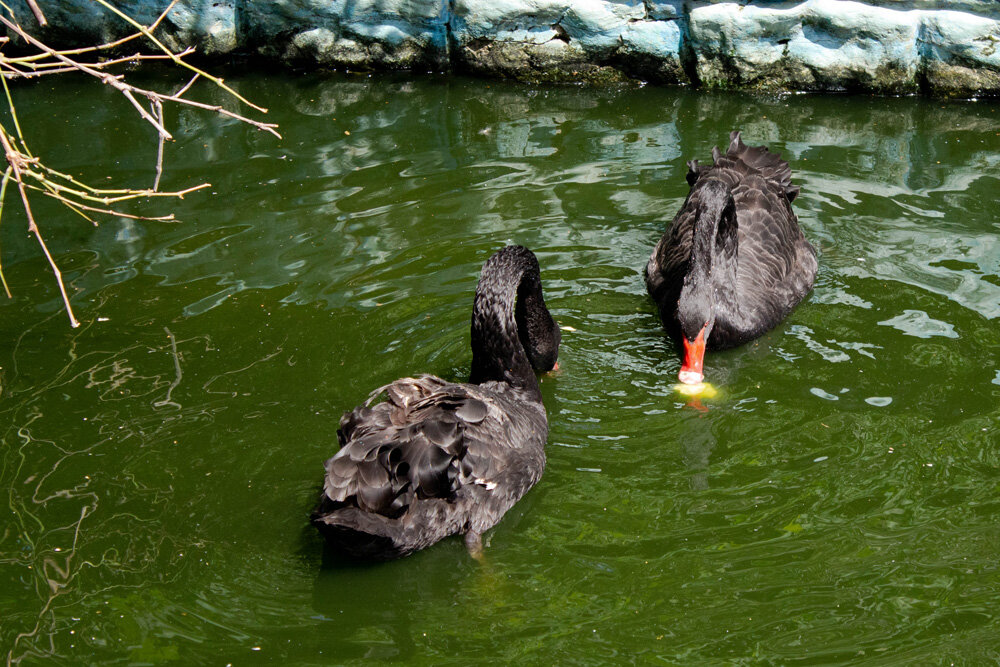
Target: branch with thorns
32	175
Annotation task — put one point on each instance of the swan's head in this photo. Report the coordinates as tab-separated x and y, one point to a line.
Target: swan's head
536	328
540	336
513	333
696	317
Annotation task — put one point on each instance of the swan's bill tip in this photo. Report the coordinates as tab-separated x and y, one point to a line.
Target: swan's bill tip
691	377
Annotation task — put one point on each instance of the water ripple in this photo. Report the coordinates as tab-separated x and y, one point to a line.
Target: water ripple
835	502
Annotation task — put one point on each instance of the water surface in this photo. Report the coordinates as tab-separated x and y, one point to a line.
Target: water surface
838	502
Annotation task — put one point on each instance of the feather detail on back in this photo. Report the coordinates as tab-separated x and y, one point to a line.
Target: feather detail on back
434	459
413	445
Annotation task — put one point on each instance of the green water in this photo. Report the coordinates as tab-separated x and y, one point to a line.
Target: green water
838	502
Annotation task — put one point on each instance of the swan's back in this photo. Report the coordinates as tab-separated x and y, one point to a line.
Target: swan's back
434	459
775	264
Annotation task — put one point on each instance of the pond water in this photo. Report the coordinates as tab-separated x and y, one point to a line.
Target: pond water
837	502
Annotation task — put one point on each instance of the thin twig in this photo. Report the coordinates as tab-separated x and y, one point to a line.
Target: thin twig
130	91
122	193
158	106
125	195
101	47
13	111
149	35
37	11
76	52
71	206
46	68
155	24
185	87
111	80
268	127
33	228
3	198
32	174
16	161
107	211
127	92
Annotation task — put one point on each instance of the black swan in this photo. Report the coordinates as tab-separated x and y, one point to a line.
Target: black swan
733	262
442	458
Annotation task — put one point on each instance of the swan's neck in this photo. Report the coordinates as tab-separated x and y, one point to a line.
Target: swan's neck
510	286
714	250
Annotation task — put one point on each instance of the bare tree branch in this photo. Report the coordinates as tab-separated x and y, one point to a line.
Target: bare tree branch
32	176
105	46
37	11
3	197
149	35
130	91
16	163
38	69
158	107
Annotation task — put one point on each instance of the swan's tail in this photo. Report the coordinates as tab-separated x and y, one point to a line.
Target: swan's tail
769	164
358	534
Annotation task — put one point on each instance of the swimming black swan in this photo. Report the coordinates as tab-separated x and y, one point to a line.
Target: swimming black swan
441	458
734	261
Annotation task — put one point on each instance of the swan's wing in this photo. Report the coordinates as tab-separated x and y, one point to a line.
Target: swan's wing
770	239
426	440
767	251
777	265
740	163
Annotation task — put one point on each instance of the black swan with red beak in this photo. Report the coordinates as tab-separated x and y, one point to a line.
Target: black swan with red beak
441	458
734	261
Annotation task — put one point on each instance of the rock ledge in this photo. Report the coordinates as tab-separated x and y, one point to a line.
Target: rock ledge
946	48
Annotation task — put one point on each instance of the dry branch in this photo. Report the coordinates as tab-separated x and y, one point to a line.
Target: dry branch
32	175
37	11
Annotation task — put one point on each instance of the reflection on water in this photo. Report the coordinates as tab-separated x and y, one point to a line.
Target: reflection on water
836	500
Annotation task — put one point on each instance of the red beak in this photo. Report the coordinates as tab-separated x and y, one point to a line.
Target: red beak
694	360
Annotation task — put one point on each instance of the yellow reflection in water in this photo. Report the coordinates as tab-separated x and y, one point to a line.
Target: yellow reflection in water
700	390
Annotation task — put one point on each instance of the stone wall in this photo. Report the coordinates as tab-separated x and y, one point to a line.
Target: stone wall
891	46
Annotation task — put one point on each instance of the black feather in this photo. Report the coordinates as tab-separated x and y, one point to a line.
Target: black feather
472	411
